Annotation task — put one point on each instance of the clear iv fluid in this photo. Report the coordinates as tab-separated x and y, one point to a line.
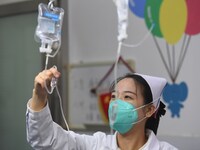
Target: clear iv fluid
49	25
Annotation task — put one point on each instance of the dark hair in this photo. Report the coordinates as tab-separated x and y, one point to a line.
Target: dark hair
152	122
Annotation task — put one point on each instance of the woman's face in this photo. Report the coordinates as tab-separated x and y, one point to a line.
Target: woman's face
128	91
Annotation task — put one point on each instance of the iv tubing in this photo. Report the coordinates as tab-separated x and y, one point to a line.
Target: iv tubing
139	43
116	62
61	108
52	88
115	72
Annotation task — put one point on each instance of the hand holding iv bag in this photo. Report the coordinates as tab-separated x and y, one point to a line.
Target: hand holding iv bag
48	30
48	33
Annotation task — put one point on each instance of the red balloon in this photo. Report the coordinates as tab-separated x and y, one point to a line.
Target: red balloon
193	22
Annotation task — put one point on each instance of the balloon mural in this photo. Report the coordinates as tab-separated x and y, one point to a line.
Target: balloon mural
175	22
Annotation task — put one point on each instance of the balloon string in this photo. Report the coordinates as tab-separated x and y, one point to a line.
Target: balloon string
182	51
163	59
182	48
183	56
169	57
174	61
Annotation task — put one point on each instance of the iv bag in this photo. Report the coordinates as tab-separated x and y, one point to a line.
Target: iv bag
122	11
48	30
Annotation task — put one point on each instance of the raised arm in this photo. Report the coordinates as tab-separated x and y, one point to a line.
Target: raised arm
39	97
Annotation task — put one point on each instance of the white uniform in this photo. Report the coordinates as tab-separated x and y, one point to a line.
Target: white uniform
44	134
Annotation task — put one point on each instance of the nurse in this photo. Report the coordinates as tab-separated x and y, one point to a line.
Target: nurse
134	113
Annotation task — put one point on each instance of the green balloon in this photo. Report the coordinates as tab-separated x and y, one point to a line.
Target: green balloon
151	15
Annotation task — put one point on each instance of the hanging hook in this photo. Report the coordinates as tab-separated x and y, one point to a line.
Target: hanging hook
50	4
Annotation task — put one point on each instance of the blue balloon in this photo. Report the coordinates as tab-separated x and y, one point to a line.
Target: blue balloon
137	7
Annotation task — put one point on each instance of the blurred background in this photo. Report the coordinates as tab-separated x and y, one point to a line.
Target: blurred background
88	51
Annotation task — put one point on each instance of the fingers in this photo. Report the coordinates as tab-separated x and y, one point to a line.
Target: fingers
54	71
45	76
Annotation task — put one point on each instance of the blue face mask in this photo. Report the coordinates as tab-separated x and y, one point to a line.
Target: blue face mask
122	116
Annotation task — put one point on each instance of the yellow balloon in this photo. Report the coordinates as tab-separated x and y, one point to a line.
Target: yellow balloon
173	19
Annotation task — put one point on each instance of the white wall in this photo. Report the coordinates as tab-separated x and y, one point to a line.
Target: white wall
93	37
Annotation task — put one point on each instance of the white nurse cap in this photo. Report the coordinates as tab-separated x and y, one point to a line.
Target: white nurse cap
156	85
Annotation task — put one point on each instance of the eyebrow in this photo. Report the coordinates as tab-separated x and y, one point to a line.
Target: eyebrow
126	92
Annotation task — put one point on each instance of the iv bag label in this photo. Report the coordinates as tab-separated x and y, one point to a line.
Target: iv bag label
54	17
47	25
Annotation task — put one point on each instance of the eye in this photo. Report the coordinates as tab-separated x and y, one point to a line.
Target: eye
113	96
128	97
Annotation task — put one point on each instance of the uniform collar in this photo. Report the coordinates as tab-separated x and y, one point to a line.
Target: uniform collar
152	142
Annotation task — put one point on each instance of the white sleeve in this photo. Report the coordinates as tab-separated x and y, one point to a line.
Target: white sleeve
44	134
